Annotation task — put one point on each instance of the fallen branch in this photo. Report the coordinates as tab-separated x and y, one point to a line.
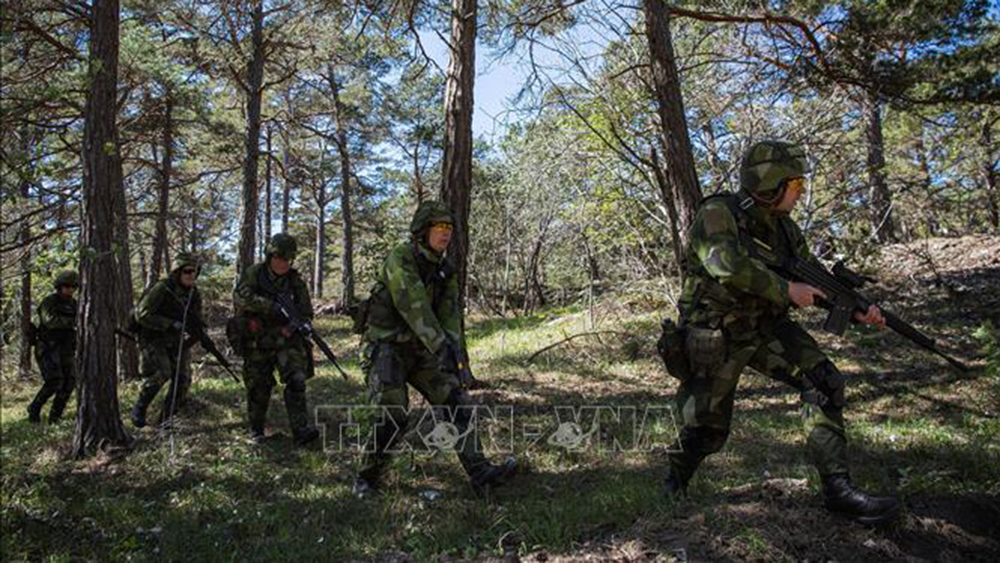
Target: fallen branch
568	338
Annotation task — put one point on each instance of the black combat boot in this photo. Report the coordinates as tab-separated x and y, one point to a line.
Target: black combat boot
841	497
138	414
34	413
487	475
305	434
368	482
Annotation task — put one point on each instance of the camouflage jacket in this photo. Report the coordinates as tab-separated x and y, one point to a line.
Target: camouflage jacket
162	306
726	263
415	296
254	300
57	319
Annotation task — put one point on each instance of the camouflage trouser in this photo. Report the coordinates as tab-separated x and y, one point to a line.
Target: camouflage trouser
390	368
293	366
55	362
159	366
782	350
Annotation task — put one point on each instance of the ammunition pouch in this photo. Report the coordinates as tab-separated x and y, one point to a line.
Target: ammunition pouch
706	349
671	347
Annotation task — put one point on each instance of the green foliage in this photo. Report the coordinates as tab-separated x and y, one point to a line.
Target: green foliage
988	337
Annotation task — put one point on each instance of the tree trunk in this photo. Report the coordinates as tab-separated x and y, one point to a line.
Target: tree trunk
98	422
286	189
128	352
251	191
347	264
926	179
318	258
24	359
667	197
267	191
879	198
673	124
989	167
456	187
166	172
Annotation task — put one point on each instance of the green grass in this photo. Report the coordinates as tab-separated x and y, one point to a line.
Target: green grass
205	493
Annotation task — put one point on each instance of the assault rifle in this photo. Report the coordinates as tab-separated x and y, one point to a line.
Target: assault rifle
197	332
284	304
842	300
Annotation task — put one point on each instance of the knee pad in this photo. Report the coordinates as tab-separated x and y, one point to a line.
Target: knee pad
824	386
704	440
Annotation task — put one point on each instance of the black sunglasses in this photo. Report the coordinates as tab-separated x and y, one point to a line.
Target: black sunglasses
189	271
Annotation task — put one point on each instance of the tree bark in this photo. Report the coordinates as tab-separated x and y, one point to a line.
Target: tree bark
128	352
456	187
879	198
678	153
318	258
98	422
267	191
989	166
24	359
346	173
166	172
251	191
286	189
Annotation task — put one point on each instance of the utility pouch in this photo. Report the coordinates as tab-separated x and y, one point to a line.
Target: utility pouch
671	348
706	348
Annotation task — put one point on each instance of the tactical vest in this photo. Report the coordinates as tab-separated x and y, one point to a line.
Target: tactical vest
266	288
172	308
65	308
379	310
743	305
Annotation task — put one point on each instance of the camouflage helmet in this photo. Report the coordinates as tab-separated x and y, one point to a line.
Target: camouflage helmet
186	260
767	164
430	212
282	245
66	278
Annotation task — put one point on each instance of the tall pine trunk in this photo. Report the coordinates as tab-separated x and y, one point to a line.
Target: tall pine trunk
163	204
879	198
456	188
678	154
267	187
347	264
286	188
251	191
24	359
98	422
989	167
319	262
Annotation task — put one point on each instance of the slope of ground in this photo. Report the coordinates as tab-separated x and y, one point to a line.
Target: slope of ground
201	491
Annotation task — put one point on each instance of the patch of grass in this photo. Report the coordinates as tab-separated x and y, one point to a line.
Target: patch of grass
204	490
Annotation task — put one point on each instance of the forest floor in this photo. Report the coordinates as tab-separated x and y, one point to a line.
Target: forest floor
202	491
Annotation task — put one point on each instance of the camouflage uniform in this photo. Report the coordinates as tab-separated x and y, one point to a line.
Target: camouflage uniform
414	329
734	311
266	347
162	315
414	323
55	348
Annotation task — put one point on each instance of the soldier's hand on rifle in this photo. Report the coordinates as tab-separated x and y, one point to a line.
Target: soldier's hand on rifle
287	331
872	318
803	294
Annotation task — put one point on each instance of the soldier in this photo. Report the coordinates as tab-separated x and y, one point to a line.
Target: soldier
166	311
414	337
734	313
56	343
269	343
